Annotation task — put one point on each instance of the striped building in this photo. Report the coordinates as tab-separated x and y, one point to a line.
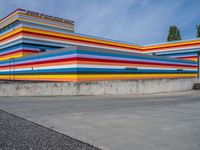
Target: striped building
39	47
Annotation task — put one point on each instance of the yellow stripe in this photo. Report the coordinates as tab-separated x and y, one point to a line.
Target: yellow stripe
43	76
18	30
192	59
101	75
131	75
77	78
76	37
11	56
181	43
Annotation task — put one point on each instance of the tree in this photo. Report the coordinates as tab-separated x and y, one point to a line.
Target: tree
198	31
174	34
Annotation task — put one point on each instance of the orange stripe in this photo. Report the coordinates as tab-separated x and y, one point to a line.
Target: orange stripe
133	78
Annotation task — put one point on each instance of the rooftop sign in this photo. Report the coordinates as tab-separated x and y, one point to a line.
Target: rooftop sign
36	14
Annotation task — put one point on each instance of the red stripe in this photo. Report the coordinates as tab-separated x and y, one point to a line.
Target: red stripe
42	62
30	50
18	34
96	60
188	57
126	61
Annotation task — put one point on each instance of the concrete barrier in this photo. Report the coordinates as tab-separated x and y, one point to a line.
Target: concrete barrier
95	88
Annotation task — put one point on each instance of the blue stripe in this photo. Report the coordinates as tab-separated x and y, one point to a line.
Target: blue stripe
145	57
94	70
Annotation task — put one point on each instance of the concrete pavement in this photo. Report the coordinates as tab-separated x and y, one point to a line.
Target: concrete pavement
148	122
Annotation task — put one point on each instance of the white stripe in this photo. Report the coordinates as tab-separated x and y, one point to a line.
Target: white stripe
90	66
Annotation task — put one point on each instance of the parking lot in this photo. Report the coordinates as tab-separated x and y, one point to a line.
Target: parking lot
124	122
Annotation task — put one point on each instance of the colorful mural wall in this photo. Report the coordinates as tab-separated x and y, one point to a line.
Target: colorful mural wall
35	46
89	64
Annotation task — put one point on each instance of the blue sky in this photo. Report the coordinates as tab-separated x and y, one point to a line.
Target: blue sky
136	21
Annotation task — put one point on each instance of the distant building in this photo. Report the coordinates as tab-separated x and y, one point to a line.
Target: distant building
36	46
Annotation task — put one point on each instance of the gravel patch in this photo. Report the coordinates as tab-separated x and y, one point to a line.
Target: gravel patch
19	134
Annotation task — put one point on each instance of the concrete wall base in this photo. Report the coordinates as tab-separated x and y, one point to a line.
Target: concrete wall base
96	88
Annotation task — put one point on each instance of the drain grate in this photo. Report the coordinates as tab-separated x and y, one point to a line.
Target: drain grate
196	86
